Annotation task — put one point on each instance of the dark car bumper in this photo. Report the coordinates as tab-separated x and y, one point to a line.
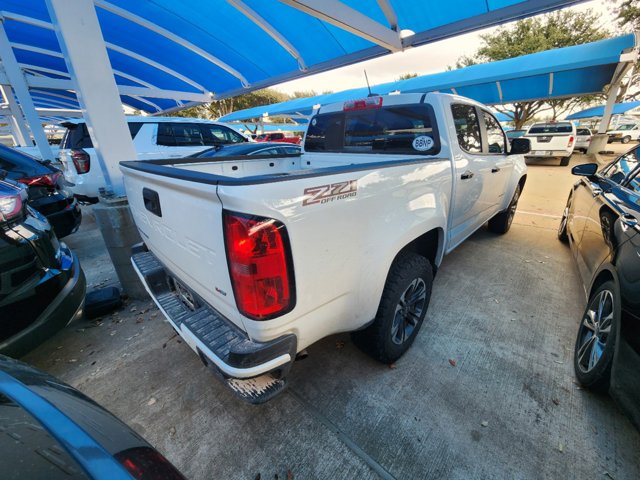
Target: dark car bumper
64	308
67	221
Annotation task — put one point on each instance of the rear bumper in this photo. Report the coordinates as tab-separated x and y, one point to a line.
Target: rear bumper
540	153
67	221
64	308
217	341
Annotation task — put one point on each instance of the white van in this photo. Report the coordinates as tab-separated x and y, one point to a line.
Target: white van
153	138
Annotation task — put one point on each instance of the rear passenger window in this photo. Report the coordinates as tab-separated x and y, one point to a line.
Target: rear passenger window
179	134
495	135
467	125
407	129
216	134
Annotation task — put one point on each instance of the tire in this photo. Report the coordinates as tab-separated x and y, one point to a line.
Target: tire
563	236
564	161
398	322
595	343
626	139
501	222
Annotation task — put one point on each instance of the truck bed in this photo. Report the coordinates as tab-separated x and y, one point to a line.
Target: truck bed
248	169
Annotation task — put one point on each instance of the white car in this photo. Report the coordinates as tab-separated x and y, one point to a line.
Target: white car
552	140
624	133
153	138
253	259
583	139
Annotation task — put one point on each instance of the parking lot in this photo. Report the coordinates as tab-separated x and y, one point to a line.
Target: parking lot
486	391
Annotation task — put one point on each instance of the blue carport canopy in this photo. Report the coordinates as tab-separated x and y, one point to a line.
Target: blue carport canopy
198	50
563	72
595	112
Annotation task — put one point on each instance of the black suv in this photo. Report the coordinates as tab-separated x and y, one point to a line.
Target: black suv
47	193
601	223
42	286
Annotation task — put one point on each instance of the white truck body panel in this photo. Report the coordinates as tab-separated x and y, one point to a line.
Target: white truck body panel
342	245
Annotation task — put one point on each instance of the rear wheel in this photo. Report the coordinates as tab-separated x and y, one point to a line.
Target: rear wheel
595	344
402	309
501	222
626	139
564	161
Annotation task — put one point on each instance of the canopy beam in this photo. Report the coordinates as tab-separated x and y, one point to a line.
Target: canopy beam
48	26
342	16
19	86
389	13
19	130
127	15
80	38
252	15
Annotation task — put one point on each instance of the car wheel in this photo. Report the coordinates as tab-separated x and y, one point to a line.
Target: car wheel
563	236
595	344
626	139
501	222
402	309
564	161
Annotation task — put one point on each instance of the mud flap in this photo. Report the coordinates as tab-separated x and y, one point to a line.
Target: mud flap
258	389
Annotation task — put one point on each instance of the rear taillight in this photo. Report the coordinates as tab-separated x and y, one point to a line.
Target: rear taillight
49	180
144	463
81	160
362	104
571	139
10	206
259	265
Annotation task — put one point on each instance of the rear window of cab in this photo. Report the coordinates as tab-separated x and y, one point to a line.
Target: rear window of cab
552	128
405	129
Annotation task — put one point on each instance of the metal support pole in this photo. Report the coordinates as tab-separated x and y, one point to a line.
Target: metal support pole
80	37
600	140
19	84
17	124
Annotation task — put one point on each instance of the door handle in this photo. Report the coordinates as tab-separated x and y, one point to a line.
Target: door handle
467	175
495	169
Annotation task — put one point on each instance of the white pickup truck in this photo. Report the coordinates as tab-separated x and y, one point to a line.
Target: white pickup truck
252	260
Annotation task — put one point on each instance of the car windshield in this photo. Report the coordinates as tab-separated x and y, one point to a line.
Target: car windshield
583	131
551	128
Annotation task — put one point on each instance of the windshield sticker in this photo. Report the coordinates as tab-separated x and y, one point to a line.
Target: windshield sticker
423	143
330	193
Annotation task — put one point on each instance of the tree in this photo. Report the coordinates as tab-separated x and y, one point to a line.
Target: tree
627	15
406	76
219	108
532	35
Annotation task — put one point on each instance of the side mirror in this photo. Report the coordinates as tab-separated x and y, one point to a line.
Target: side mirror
520	145
585	170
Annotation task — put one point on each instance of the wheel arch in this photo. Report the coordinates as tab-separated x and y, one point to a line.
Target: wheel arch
605	273
429	245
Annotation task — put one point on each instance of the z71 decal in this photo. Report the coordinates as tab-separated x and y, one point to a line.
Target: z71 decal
329	193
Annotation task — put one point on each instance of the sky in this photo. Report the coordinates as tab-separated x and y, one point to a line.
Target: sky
431	58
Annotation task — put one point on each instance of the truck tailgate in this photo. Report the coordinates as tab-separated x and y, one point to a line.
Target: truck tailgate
549	141
181	222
